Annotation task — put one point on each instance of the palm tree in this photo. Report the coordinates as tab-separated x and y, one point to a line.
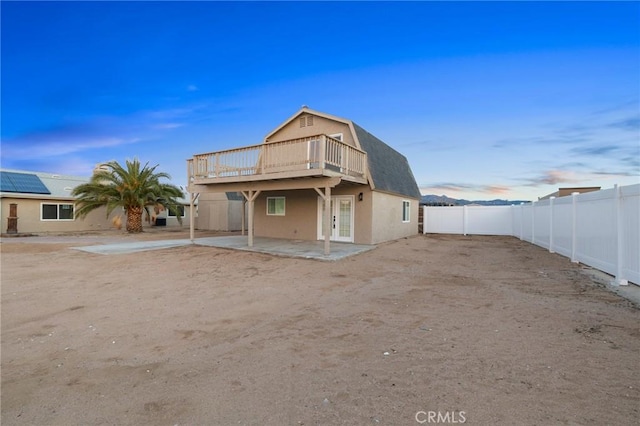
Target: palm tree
131	187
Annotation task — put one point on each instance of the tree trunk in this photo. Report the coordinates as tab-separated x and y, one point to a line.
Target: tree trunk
134	219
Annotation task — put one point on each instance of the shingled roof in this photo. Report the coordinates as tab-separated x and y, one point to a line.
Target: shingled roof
389	169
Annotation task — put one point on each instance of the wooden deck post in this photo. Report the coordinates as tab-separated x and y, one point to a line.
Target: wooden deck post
250	230
192	199
327	220
244	215
250	196
328	223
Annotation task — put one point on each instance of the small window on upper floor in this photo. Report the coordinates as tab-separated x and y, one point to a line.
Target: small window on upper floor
336	136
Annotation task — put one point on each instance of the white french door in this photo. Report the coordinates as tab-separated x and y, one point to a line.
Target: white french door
341	218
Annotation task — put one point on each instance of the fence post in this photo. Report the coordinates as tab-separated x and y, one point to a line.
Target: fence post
551	224
617	199
574	220
464	220
533	222
424	220
521	221
513	220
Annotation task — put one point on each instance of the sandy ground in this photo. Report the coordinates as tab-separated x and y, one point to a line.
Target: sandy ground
480	330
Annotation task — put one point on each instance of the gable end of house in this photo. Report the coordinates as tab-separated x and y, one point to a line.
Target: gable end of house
389	170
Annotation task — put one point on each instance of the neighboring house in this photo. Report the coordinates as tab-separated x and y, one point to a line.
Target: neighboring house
311	170
163	217
36	202
563	192
42	202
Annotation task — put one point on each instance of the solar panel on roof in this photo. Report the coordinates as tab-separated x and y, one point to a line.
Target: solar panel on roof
22	182
5	184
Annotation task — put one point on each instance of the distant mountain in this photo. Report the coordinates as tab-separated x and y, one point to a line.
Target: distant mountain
443	200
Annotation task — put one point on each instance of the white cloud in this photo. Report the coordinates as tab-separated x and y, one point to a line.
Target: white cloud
167	126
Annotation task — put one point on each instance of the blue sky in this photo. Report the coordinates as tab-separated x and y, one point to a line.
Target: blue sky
486	100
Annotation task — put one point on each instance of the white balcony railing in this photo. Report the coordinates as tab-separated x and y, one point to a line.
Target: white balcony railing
319	152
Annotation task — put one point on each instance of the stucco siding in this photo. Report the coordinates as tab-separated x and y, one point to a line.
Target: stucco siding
298	222
217	213
29	217
30	213
172	221
387	217
301	214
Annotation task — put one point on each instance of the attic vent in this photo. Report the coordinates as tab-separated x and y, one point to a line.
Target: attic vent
306	121
55	176
68	188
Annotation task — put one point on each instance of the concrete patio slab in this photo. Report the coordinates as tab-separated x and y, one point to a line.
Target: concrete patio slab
123	248
288	248
273	246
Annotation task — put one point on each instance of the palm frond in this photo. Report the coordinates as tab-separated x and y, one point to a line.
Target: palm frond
131	186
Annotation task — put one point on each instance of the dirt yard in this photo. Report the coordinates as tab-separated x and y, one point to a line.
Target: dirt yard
475	330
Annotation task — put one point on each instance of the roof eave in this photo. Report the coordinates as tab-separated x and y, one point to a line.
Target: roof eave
35	196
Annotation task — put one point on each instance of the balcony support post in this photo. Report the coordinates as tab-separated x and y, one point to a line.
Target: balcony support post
192	221
328	223
244	215
250	196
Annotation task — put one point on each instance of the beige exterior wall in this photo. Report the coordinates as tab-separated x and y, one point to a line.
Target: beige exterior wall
387	217
320	126
217	213
172	221
29	213
300	221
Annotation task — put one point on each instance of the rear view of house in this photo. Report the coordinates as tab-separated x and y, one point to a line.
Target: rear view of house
316	177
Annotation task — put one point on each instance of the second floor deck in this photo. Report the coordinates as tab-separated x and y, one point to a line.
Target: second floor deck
318	155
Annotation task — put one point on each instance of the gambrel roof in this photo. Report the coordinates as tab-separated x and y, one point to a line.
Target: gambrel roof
388	169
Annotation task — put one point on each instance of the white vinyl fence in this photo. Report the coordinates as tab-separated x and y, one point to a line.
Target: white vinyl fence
600	229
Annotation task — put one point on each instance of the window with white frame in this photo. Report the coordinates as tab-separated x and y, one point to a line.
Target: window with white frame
406	209
275	206
179	208
337	136
56	211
